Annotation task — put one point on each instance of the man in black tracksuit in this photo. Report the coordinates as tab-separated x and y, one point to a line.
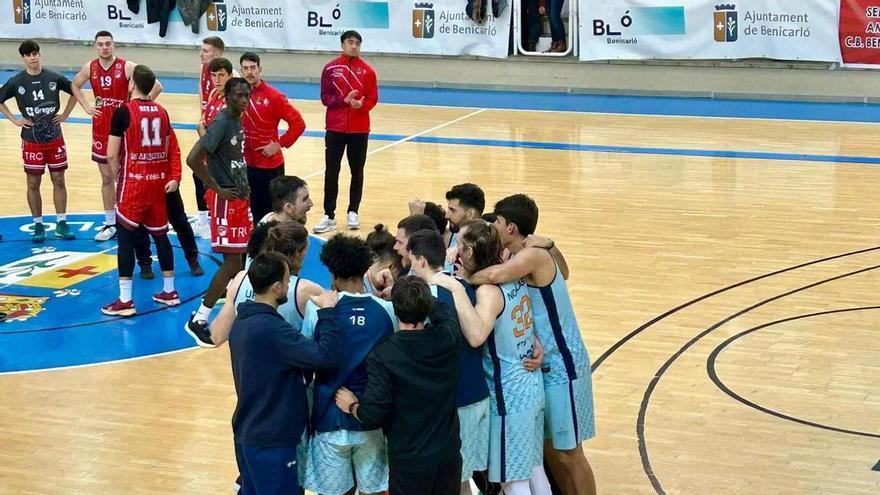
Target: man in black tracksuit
411	380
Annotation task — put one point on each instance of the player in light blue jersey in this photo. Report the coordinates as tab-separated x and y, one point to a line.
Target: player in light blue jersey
463	202
385	259
502	319
382	279
427	252
567	380
290	200
288	238
341	454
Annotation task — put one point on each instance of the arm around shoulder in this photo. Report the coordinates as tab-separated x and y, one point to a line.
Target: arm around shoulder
320	354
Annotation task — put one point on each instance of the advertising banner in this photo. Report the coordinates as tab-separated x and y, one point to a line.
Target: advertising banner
860	32
702	29
438	27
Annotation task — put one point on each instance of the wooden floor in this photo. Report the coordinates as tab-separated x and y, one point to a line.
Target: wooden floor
659	249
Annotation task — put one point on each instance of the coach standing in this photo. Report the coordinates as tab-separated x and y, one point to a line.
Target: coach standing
349	91
262	146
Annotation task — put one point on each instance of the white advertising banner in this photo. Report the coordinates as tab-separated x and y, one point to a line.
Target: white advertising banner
439	27
702	29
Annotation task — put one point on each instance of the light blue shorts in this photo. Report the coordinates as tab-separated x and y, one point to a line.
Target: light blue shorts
568	413
516	444
473	421
337	459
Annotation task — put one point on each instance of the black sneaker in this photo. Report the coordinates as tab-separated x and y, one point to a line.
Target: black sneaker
195	268
200	332
147	272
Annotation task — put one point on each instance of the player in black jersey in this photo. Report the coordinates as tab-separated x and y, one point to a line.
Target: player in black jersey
37	92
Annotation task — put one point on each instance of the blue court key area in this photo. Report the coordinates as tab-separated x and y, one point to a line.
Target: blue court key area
52	294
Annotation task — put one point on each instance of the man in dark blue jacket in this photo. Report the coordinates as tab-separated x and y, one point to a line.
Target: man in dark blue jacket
268	359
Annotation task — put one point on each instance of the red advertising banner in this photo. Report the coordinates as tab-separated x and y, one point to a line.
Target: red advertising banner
860	32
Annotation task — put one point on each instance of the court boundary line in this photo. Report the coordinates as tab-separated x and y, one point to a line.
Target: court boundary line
405	139
645	326
647	467
683	100
712	371
89	365
580	148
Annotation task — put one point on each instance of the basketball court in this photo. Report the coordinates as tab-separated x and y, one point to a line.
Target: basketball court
724	264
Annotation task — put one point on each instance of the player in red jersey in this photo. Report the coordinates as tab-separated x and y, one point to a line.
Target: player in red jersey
143	147
109	77
212	49
220	70
262	146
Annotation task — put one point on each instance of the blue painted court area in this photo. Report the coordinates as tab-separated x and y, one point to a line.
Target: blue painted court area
574	102
52	294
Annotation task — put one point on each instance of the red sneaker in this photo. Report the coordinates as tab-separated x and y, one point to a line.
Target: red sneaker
119	308
167	298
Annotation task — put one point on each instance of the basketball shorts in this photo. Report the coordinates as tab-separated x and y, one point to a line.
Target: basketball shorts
473	421
568	414
145	207
337	459
231	223
37	156
516	444
99	147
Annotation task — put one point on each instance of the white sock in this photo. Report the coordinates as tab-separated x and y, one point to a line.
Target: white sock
109	217
62	217
539	483
38	219
203	313
168	284
203	217
124	290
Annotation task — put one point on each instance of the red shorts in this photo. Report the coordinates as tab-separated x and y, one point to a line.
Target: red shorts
231	223
99	148
38	156
146	208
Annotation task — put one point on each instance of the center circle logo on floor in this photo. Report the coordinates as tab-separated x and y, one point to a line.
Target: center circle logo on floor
64	283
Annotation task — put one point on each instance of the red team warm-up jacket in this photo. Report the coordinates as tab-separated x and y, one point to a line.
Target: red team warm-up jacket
267	108
342	75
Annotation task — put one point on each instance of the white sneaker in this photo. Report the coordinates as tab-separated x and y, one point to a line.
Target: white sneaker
202	231
353	223
106	233
325	225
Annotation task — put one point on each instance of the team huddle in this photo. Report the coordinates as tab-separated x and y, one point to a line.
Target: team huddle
444	353
362	387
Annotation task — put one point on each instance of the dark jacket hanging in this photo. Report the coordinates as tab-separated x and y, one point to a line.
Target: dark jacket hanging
191	11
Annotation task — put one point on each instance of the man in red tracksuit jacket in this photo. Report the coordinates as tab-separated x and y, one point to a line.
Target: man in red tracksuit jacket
349	91
262	146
